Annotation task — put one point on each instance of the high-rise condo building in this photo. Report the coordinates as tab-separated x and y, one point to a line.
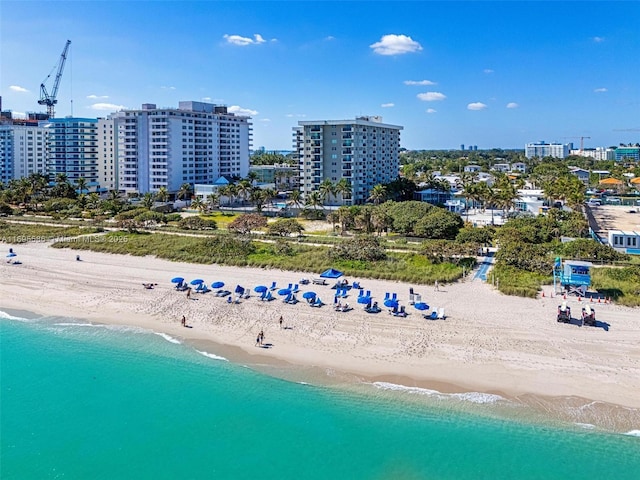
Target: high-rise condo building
364	151
167	147
22	150
72	149
543	149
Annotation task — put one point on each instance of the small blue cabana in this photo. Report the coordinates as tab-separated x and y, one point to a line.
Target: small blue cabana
331	273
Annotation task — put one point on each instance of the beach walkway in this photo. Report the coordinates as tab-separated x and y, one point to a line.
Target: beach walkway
484	266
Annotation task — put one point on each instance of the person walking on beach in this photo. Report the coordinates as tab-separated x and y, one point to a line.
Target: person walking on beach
261	337
188	293
184	321
280	321
258	340
436	288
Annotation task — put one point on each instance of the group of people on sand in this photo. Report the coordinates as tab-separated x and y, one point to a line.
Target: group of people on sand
260	339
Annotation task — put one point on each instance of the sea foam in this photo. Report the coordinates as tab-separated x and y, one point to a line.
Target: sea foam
213	356
7	316
633	433
473	397
168	338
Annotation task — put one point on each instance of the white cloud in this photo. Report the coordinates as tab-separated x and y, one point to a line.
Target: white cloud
167	88
265	119
329	38
598	39
297	115
106	106
242	111
97	97
431	96
512	105
476	106
600	90
244	41
17	88
206	99
431	110
419	82
395	45
388	105
487	71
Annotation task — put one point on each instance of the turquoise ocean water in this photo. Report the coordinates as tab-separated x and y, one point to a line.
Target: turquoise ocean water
95	402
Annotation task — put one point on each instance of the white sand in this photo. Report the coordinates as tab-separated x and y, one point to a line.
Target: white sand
489	342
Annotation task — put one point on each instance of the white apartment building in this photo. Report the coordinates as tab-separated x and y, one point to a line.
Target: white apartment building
364	151
598	153
72	149
107	155
167	147
543	149
22	150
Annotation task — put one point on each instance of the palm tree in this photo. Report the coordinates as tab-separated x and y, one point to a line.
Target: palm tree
114	195
198	204
296	198
315	200
213	199
185	191
147	200
162	194
94	200
252	177
343	188
326	189
81	185
377	194
244	188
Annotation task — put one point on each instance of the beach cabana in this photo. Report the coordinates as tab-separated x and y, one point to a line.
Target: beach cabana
331	273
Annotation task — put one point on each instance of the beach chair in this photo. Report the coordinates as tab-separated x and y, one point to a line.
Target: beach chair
357	285
290	286
441	314
273	286
266	296
402	312
431	316
368	294
411	299
296	288
387	296
361	294
317	302
394	296
394	310
319	281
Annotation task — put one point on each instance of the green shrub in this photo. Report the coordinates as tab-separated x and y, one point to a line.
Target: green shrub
361	247
197	223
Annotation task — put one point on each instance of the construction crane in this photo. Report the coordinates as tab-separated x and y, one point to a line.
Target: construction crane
581	142
50	99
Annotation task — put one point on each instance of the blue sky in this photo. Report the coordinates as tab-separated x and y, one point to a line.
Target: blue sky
492	74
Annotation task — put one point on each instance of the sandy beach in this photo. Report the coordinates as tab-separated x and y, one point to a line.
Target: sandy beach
489	342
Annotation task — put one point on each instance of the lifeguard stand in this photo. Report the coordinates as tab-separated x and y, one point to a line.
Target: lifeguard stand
573	277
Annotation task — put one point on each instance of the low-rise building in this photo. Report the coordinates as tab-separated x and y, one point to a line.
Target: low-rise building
625	241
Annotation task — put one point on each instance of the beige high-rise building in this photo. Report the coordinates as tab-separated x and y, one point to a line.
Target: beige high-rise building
364	151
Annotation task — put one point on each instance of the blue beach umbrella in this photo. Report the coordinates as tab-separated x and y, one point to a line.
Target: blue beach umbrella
364	300
260	289
309	295
284	291
421	306
197	281
217	285
177	280
390	303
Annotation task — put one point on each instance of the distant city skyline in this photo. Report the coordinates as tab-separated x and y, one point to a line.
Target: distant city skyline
491	74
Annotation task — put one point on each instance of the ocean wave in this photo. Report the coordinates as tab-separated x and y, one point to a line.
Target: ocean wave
168	338
633	433
73	324
473	397
211	355
588	426
8	316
